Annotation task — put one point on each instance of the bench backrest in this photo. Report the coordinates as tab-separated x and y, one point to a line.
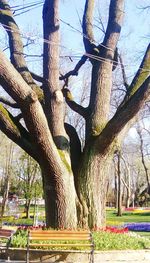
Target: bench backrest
6	233
60	235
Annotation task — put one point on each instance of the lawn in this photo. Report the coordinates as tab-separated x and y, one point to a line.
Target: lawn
127	217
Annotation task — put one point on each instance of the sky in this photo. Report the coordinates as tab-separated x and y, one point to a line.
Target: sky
135	34
134	39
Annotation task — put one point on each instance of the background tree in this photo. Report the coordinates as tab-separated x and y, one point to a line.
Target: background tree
74	180
7	174
28	180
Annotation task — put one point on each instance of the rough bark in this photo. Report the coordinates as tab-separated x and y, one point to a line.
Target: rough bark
60	197
92	182
54	103
102	72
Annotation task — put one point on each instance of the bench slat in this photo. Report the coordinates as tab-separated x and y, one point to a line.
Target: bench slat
59	232
60	245
59	238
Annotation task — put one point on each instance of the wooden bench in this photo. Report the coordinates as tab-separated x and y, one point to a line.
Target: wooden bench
6	235
5	238
60	239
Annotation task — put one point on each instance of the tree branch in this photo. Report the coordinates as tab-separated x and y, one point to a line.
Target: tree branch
123	116
15	42
32	112
72	104
74	72
37	77
54	102
19	117
87	27
16	132
9	103
141	75
116	13
125	82
101	82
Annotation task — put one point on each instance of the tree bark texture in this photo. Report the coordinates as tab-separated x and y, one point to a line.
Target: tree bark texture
60	199
92	183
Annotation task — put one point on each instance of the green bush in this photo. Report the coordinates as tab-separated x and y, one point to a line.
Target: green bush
111	241
19	239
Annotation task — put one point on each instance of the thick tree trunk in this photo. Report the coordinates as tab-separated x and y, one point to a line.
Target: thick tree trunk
92	185
60	199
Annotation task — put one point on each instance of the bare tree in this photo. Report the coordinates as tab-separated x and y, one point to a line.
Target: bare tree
139	131
70	176
27	173
7	174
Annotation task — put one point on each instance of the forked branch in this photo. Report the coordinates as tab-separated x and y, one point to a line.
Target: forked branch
15	131
74	72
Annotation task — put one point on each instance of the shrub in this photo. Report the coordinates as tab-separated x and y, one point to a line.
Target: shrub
19	238
105	240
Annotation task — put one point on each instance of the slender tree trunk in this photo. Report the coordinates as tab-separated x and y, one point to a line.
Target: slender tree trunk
128	198
119	212
28	208
116	190
5	196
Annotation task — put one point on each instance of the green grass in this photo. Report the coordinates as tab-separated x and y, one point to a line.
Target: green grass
127	217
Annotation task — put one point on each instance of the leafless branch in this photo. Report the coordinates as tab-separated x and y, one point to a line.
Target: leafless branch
15	42
18	117
87	27
72	104
9	103
37	77
123	73
141	75
74	72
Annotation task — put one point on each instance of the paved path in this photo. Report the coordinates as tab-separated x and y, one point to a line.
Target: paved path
124	256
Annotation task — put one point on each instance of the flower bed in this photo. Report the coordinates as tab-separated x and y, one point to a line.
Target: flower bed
138	210
116	230
145	227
